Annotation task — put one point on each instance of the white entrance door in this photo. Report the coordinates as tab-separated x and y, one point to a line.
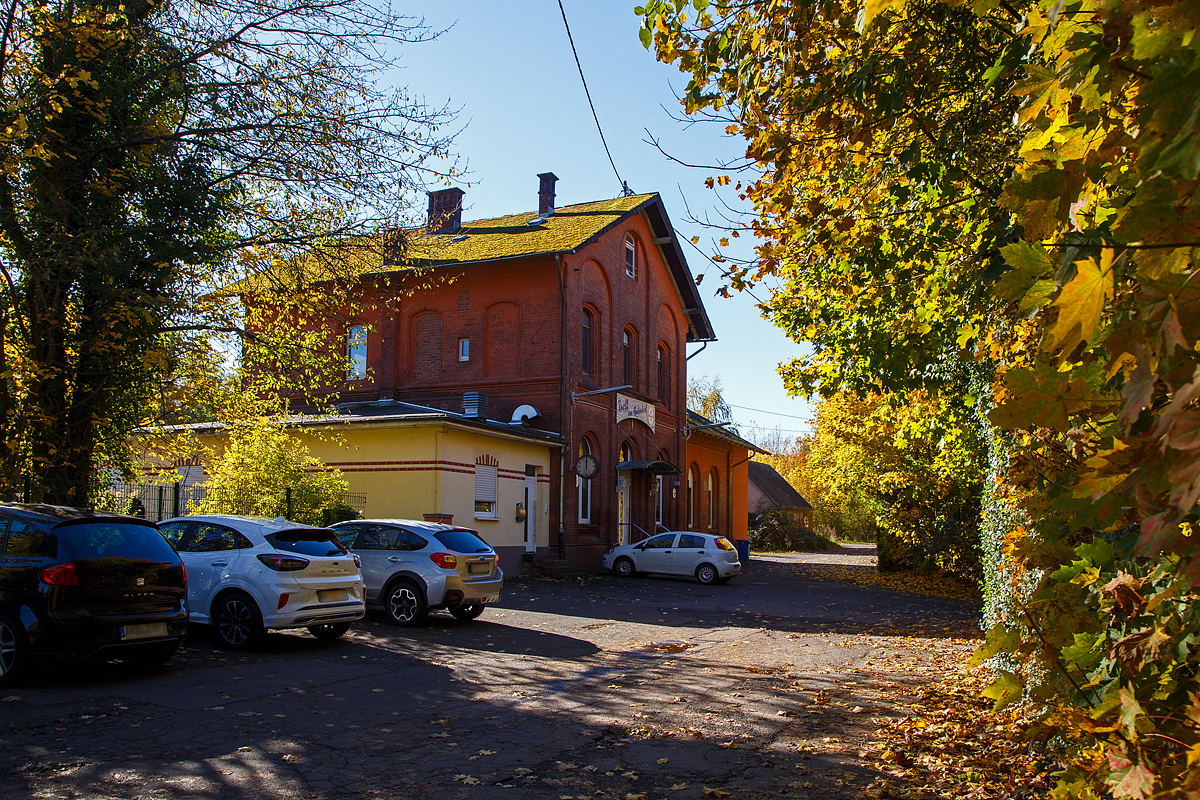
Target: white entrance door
624	477
530	510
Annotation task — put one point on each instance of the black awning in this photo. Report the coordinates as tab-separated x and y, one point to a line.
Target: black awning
653	467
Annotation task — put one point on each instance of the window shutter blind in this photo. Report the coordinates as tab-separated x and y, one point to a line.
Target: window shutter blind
485	483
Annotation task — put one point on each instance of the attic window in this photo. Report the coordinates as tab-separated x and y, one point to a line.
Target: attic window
535	221
460	238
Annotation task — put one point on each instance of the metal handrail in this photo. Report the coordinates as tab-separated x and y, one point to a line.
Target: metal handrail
645	534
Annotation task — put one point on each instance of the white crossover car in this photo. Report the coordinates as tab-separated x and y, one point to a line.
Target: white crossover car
703	556
412	567
247	575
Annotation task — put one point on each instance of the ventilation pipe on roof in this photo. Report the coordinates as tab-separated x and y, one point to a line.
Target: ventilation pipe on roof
475	405
546	193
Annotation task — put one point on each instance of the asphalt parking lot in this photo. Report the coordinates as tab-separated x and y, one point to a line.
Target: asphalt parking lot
598	687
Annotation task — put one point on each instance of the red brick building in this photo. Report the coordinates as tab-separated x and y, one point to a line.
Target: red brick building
540	319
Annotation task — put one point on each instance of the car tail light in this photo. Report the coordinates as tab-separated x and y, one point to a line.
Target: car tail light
283	598
357	560
283	563
723	544
444	560
60	575
184	568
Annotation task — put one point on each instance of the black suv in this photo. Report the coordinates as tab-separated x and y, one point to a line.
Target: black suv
80	585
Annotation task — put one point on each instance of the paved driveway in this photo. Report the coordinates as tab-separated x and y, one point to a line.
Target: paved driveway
640	688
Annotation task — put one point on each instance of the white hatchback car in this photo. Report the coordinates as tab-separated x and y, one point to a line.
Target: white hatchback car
250	574
707	558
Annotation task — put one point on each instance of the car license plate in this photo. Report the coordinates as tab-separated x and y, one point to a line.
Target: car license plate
331	595
481	569
147	630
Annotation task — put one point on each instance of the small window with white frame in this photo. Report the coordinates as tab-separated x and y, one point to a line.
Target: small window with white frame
356	353
630	256
486	490
464	349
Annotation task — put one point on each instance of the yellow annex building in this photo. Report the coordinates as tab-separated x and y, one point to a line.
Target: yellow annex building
414	462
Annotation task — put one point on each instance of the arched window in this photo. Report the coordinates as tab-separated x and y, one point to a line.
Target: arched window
664	393
626	358
585	346
630	256
691	497
356	353
712	499
585	486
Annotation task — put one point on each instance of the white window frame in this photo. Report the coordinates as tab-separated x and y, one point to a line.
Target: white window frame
356	353
630	256
584	486
487	490
464	349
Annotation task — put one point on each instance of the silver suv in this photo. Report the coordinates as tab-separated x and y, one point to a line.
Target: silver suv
411	567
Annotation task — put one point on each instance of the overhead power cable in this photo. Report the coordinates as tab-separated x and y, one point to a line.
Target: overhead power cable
624	187
772	413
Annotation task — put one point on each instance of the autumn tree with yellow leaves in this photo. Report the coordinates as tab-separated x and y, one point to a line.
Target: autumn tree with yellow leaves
995	201
153	155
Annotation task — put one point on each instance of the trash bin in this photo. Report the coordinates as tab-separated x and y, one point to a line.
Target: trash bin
743	548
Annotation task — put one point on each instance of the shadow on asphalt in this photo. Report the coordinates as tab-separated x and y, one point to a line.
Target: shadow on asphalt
791	597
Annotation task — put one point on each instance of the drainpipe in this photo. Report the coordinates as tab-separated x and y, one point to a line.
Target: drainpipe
564	406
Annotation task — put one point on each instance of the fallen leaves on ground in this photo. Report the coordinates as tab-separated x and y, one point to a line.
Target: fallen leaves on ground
954	746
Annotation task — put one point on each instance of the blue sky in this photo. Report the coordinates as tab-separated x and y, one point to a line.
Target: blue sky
508	67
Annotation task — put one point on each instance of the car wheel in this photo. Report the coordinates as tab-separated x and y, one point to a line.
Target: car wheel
405	604
706	574
14	651
238	621
330	631
624	567
466	612
154	656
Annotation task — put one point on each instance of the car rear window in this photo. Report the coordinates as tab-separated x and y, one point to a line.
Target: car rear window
463	541
307	542
116	540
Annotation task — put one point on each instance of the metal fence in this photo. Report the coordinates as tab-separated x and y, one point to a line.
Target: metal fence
159	501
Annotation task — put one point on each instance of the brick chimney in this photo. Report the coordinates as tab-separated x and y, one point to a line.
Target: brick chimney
546	193
445	210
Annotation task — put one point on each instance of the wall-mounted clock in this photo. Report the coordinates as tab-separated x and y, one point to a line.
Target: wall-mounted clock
587	466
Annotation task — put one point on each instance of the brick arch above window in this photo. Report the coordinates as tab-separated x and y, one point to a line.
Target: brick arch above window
427	347
502	340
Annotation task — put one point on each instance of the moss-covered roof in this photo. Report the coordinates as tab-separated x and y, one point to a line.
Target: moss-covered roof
567	228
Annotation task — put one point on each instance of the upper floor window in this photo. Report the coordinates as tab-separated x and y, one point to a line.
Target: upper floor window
663	394
626	359
630	256
585	348
356	353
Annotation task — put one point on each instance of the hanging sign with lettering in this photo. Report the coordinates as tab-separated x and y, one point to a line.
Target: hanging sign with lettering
632	408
